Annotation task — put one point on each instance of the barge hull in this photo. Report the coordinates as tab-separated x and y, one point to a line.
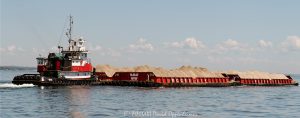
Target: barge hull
41	81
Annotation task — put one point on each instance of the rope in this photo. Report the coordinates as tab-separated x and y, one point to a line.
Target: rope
62	33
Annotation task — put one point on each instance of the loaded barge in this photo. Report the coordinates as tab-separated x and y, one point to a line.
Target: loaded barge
71	66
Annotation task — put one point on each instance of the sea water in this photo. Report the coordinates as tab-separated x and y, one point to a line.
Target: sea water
111	101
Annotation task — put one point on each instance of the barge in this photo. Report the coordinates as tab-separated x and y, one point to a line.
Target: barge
71	66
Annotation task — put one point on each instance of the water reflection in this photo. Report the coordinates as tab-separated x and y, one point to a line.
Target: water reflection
67	101
79	97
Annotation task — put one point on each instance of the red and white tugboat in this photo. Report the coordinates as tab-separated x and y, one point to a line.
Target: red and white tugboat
67	67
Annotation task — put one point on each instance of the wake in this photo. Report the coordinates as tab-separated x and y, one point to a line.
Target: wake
11	85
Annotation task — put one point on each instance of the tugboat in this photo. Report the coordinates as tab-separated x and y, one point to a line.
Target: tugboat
67	67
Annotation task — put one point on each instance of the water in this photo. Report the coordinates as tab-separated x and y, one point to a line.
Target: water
106	101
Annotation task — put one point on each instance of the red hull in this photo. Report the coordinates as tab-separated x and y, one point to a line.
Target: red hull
86	68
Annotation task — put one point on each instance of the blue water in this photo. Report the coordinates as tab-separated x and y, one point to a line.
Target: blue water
106	101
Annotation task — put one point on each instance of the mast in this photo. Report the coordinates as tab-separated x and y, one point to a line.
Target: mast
69	33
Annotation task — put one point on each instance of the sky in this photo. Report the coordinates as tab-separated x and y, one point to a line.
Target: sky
220	35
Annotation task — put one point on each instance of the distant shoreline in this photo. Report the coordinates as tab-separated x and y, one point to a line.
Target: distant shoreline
16	68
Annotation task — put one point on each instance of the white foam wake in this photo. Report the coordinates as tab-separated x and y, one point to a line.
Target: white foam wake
11	85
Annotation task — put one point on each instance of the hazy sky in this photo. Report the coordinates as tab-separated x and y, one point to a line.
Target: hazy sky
217	34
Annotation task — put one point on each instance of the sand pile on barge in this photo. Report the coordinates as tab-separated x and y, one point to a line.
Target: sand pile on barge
187	71
257	75
183	71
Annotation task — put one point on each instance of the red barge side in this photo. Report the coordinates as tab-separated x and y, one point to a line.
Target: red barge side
227	80
149	79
